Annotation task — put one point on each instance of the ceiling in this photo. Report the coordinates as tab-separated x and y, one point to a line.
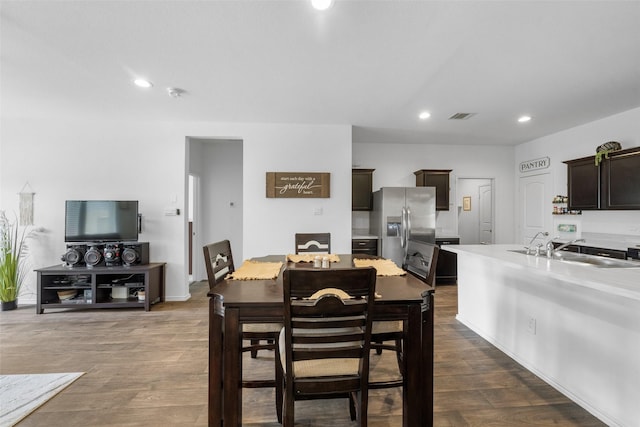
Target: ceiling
371	64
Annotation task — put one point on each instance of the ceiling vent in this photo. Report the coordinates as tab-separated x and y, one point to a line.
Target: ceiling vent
461	116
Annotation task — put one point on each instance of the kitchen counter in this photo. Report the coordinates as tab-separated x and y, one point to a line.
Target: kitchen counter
624	282
363	236
577	327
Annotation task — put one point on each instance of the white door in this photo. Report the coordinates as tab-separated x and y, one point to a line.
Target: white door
535	205
485	202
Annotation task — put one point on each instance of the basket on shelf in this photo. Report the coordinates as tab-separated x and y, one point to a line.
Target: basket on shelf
603	150
67	294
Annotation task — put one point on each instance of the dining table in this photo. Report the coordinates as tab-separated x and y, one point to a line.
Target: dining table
233	302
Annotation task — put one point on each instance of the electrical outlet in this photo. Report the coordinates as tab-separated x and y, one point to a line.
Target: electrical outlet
531	325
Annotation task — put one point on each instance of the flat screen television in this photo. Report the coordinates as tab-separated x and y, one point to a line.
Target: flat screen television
101	221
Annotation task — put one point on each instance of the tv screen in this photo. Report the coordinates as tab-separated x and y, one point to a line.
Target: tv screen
101	221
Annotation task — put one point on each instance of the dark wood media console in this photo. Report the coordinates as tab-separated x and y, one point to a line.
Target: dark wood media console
100	287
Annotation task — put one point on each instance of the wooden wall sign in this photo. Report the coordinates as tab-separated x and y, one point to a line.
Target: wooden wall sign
298	184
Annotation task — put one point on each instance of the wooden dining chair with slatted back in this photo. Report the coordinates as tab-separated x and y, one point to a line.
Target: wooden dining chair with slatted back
261	336
388	334
313	243
325	343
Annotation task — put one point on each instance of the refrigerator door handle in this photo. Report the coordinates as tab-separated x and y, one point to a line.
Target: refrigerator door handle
406	238
403	228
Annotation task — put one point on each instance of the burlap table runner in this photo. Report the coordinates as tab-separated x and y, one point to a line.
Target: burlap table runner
256	270
311	257
384	267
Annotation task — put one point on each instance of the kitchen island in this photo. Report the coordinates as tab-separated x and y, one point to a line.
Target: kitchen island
575	326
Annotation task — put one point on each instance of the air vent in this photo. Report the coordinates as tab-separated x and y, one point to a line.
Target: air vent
461	116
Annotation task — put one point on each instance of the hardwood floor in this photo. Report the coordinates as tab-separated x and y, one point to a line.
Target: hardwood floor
150	369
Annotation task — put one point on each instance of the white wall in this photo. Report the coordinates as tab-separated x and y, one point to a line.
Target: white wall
580	142
146	161
394	165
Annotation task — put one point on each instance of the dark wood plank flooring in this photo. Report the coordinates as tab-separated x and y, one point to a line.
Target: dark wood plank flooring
150	369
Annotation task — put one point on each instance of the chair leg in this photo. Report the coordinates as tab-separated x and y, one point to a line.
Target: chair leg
363	407
353	410
279	385
288	416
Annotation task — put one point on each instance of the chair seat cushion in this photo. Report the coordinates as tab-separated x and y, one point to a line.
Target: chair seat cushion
325	367
386	326
261	327
318	367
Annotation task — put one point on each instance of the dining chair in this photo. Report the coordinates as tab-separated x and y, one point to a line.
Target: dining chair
261	336
315	243
386	331
325	342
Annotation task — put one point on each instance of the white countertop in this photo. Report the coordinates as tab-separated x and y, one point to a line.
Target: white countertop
623	282
363	236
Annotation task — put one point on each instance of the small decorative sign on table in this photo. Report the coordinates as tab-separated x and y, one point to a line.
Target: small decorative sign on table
298	184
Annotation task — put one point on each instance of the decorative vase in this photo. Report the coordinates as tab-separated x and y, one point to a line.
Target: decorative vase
9	305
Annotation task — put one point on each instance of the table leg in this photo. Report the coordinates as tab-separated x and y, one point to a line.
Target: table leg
427	359
232	355
216	317
413	379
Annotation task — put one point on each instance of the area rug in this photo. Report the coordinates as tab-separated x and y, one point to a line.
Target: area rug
22	394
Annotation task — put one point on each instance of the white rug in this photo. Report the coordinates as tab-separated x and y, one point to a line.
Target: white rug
22	394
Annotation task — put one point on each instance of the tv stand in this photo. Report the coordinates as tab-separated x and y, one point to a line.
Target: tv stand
63	287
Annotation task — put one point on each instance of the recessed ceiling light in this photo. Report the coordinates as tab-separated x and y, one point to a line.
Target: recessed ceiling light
424	115
321	4
524	119
142	83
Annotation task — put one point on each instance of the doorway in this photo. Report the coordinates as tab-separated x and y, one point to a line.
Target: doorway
214	176
475	210
192	216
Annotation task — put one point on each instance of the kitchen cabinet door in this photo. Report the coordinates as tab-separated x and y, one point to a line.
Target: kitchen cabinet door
438	178
583	183
621	180
361	186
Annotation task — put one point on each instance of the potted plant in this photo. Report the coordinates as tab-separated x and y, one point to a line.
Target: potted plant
12	265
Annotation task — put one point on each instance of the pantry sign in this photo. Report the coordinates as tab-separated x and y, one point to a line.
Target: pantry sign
535	164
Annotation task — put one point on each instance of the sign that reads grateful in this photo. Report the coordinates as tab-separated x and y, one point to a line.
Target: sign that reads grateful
298	184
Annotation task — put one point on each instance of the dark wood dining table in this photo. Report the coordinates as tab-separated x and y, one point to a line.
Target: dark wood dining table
234	302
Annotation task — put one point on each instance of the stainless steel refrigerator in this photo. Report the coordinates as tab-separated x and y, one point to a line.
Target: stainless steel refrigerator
400	214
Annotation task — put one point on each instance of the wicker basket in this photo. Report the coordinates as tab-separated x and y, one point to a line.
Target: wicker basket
609	146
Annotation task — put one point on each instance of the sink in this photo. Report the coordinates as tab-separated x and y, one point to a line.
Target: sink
583	259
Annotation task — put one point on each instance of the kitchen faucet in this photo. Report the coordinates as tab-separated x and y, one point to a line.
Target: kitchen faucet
537	248
551	250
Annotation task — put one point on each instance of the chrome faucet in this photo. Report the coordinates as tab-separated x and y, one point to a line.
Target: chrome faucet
537	248
551	250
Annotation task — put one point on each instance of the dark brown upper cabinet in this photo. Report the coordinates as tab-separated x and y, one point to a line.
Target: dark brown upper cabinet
613	184
583	183
438	178
361	186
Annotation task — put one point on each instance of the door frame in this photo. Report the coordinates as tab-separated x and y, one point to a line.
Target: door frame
458	197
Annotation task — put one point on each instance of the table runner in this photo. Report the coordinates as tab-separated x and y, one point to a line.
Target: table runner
384	267
256	270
